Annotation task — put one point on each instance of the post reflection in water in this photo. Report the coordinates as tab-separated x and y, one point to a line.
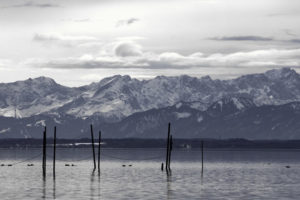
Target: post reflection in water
99	194
95	185
92	189
44	188
169	185
54	189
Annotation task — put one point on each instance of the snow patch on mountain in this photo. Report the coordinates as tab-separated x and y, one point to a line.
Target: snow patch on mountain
40	123
178	105
238	104
7	112
200	118
56	121
4	130
180	115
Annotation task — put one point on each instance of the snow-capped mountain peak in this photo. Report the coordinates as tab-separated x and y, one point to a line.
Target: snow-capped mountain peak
283	73
119	96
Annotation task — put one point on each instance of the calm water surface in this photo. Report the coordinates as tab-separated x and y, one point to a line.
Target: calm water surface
228	174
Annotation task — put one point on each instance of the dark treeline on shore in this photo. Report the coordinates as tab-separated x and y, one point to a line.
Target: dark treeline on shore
154	143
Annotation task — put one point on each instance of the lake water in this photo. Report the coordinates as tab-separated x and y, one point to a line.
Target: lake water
228	174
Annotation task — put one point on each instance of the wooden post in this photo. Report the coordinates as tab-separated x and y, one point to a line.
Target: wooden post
202	153
168	147
170	150
162	166
99	151
93	146
44	152
54	151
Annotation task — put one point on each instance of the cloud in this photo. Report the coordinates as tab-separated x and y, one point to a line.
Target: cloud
84	62
32	4
289	32
126	22
295	40
127	49
294	12
5	65
242	38
130	38
130	55
55	37
255	38
65	40
4	62
79	20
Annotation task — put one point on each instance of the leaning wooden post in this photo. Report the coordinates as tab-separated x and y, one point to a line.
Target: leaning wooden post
202	158
168	147
170	150
54	151
99	151
44	152
93	146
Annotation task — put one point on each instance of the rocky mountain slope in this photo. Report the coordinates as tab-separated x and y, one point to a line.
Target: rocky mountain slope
230	117
117	97
226	118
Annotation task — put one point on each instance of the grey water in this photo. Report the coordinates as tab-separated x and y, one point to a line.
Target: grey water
228	174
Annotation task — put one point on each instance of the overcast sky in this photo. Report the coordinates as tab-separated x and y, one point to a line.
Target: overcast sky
77	42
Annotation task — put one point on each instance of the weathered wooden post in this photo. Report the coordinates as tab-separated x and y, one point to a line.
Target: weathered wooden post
170	150
54	151
202	158
99	150
44	152
93	146
168	146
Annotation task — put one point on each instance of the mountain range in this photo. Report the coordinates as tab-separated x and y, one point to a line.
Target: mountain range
254	106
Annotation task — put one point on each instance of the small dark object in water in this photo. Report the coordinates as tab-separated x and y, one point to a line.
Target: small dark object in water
287	166
123	165
29	165
129	165
9	165
73	165
67	165
2	165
